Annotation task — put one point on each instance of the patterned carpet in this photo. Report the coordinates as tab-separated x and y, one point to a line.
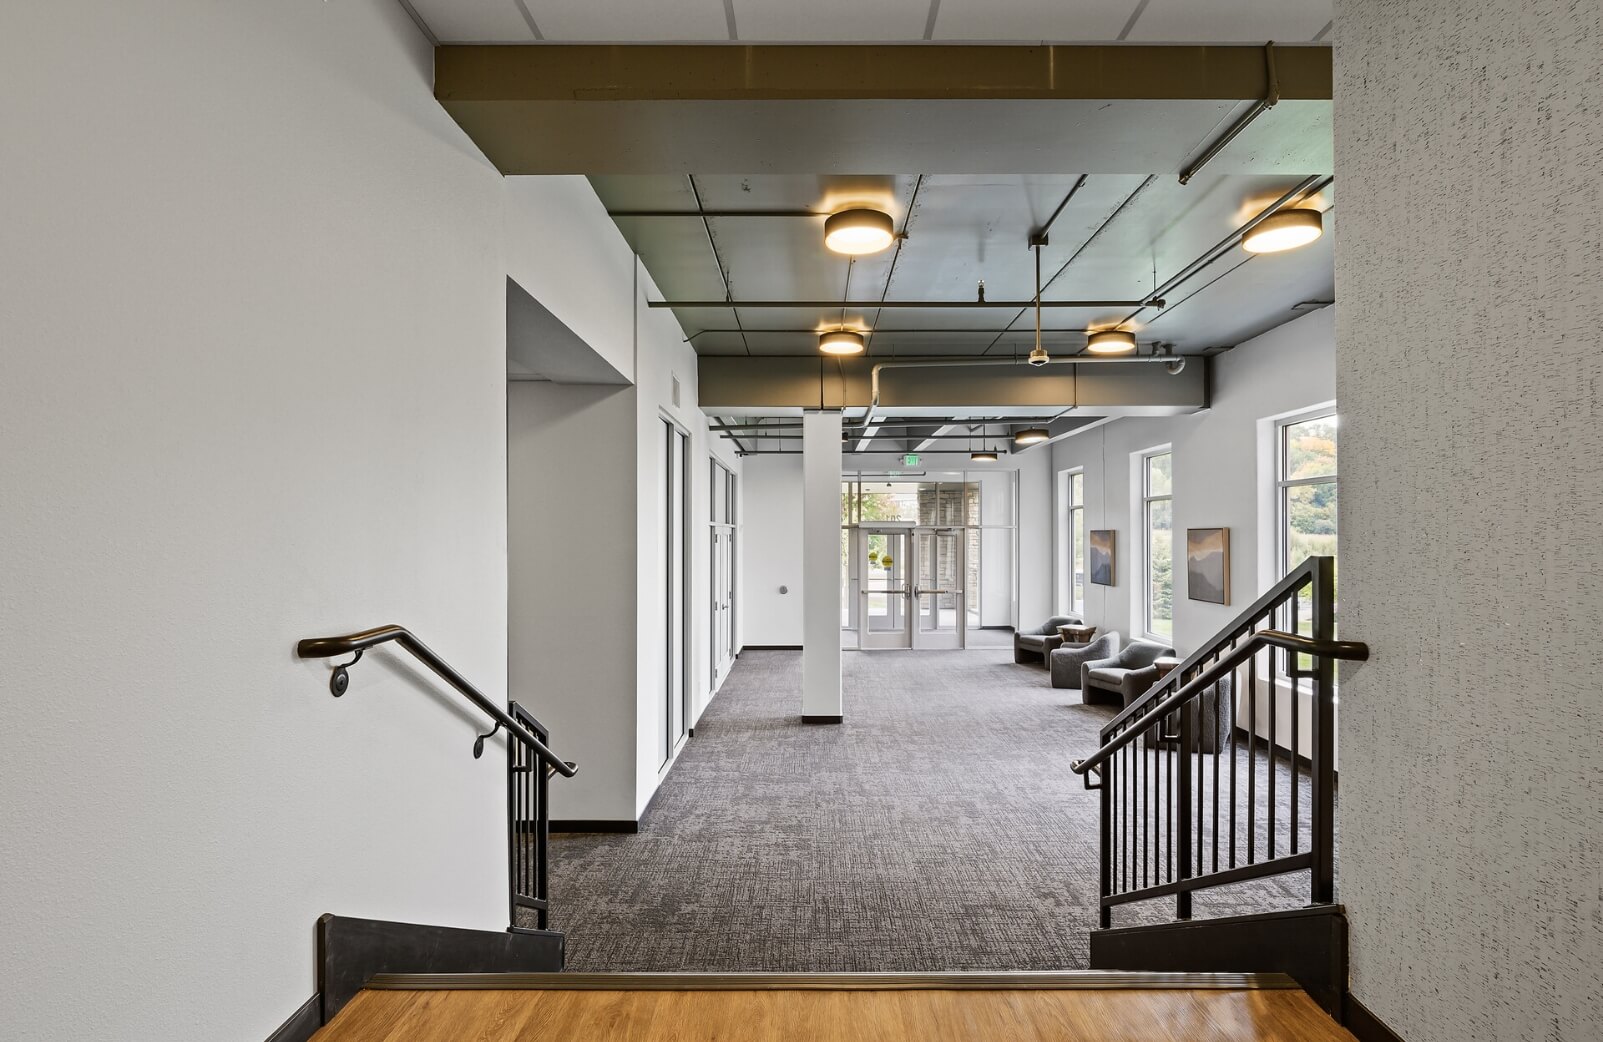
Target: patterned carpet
938	828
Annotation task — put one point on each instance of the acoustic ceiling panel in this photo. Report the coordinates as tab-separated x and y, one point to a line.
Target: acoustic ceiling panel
844	21
1230	21
474	21
1083	21
608	21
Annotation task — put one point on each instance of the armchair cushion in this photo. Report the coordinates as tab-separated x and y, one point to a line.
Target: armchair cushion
1127	674
1066	661
1040	642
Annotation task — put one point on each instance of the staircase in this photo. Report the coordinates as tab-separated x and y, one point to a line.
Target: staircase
1191	800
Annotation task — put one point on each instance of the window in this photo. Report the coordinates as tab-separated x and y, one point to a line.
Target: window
1076	535
1157	508
1306	486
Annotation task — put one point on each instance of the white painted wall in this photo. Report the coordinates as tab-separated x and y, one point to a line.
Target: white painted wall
252	295
820	553
1469	266
1217	473
571	598
661	356
588	554
771	533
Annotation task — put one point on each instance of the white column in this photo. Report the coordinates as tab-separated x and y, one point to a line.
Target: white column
821	695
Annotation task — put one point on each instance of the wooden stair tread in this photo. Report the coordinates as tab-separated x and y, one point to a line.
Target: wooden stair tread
961	1008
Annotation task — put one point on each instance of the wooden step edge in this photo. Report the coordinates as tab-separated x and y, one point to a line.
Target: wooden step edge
1083	980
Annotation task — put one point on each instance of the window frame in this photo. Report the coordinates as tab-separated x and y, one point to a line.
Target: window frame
1284	483
1074	535
1147	499
1283	486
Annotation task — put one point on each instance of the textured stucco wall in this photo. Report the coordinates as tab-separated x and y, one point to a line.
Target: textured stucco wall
1470	359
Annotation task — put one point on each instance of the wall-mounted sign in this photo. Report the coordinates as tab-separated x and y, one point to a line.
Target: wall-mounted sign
910	460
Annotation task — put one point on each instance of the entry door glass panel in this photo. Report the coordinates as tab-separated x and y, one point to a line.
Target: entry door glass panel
886	583
940	589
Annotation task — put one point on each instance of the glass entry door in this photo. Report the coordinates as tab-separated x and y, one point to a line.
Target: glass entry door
938	592
885	618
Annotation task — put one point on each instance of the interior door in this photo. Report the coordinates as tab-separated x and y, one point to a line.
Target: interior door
940	620
885	620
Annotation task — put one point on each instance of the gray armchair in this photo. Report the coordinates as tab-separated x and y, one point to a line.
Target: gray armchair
1029	645
1124	677
1067	659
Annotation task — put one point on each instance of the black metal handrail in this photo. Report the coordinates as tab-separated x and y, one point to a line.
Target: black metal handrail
1173	819
1289	584
356	643
1347	650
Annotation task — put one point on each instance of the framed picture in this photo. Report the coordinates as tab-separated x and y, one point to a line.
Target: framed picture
1099	547
1208	565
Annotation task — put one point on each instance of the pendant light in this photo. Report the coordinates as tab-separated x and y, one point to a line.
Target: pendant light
841	342
1031	436
1110	342
1038	357
1284	230
984	455
859	231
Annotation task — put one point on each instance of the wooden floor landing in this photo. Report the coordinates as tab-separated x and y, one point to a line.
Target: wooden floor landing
949	1008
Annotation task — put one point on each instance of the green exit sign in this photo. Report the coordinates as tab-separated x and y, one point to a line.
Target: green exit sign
910	460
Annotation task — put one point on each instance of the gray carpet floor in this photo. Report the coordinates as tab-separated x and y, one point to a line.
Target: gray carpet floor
938	828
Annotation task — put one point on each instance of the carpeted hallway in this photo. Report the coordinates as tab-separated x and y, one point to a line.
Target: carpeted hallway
938	828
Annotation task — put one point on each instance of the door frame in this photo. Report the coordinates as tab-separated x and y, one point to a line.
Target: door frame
938	639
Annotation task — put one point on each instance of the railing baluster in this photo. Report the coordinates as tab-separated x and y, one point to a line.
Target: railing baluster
1235	699
1252	761
1296	740
1146	813
1274	750
1182	900
1322	840
1104	846
1218	754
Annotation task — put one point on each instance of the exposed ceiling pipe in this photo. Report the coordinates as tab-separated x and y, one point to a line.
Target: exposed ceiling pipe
1264	104
1307	186
939	363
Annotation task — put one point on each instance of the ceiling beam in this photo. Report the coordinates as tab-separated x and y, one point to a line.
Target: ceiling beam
810	72
1093	109
769	385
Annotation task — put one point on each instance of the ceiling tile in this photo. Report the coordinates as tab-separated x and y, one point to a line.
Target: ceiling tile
786	21
474	21
608	21
1230	21
1031	20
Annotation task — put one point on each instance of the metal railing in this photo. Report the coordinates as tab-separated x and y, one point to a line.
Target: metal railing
528	824
530	762
1191	798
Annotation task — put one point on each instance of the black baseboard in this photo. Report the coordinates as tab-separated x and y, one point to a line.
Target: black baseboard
771	647
808	719
1365	1026
302	1024
1309	944
595	825
351	951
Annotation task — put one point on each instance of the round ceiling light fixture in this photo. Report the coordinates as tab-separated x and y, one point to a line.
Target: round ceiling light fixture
859	231
1284	230
1031	436
983	456
841	342
1110	342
